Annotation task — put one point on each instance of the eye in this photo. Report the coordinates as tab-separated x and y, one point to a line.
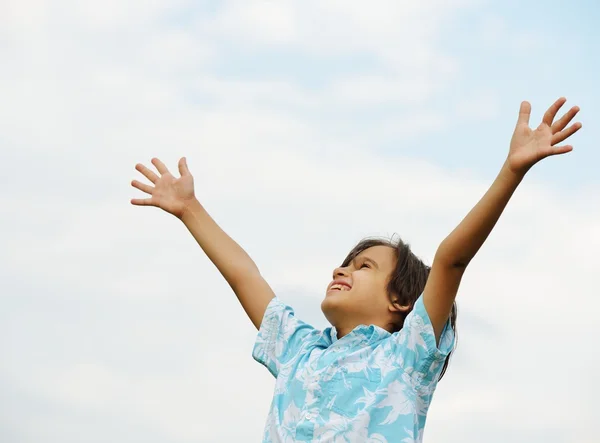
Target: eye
364	265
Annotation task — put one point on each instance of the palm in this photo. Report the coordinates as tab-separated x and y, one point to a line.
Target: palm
171	193
168	193
529	146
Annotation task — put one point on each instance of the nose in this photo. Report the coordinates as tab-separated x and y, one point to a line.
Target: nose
337	272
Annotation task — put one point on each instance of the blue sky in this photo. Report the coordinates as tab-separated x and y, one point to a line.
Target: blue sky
507	52
307	126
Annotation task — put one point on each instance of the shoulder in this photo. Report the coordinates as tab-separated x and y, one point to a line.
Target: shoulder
417	332
414	347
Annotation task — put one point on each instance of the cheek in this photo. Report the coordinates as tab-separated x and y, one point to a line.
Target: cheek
370	289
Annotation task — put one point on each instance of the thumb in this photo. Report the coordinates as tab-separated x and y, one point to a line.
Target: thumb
524	113
183	168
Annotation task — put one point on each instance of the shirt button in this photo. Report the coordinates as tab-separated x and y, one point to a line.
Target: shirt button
308	416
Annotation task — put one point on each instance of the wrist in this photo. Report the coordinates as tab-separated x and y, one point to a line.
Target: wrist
190	209
510	174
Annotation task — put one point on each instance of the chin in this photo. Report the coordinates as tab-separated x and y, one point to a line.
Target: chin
332	306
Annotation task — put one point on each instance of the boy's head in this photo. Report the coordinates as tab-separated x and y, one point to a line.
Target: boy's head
378	283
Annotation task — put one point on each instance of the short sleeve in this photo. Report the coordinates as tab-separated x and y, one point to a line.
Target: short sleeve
281	337
417	345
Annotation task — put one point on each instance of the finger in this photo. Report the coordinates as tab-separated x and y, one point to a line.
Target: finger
160	166
557	150
142	202
565	119
142	187
563	135
524	113
147	172
552	110
183	167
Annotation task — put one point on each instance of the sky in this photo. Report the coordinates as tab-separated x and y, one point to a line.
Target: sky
307	126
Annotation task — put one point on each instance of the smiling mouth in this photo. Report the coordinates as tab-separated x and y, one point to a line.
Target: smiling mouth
338	287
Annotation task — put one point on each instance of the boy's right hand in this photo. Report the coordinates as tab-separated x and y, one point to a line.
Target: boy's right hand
171	194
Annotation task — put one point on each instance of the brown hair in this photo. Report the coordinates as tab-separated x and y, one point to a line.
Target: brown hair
407	281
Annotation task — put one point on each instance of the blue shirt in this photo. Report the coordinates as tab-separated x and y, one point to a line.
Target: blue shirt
369	386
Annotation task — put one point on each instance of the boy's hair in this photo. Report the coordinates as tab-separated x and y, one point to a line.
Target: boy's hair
407	280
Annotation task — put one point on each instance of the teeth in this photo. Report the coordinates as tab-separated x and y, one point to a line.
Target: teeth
340	287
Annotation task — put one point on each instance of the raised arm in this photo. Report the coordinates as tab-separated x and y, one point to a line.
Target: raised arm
176	196
456	251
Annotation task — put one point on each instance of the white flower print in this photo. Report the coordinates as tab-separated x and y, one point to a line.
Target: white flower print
369	398
413	334
410	436
341	429
287	429
399	398
388	361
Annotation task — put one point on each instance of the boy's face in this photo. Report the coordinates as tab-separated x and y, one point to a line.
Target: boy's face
361	295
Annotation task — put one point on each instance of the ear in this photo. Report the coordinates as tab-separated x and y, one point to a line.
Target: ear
394	306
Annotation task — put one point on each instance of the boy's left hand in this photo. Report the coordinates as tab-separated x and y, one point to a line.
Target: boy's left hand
527	146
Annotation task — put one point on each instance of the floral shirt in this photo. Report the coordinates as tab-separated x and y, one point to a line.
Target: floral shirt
369	386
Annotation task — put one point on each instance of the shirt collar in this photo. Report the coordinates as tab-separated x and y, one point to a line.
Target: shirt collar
369	334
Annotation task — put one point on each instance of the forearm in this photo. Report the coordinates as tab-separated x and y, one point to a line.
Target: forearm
462	244
229	257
